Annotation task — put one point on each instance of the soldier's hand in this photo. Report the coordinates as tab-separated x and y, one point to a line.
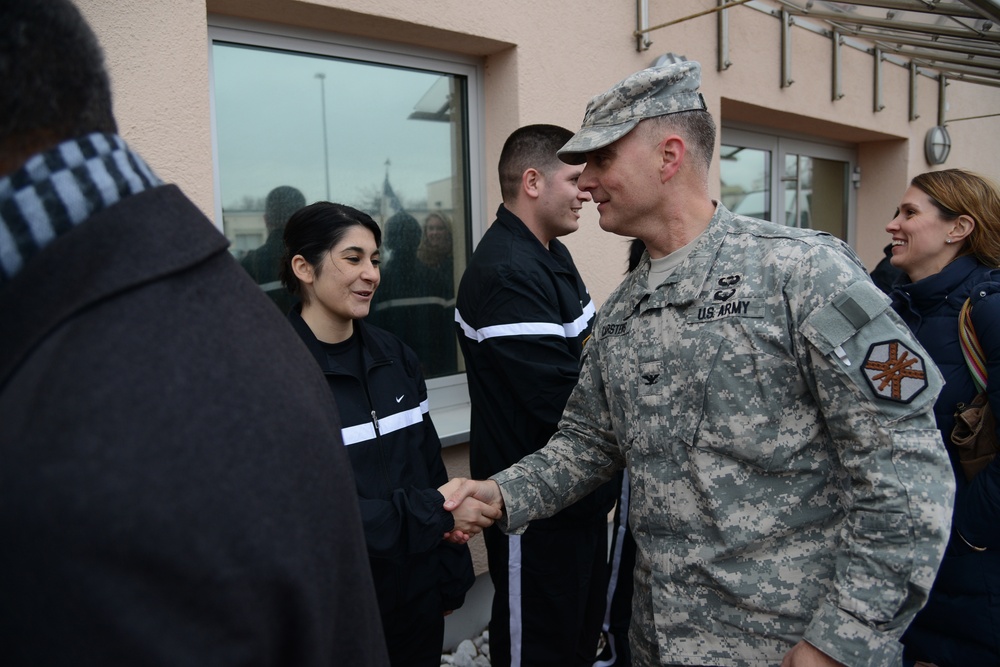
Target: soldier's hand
805	654
487	492
471	515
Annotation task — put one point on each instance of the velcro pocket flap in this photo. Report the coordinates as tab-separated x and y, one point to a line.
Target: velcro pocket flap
837	321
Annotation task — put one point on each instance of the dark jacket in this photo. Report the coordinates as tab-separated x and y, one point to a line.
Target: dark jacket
960	625
885	275
418	305
172	487
397	469
520	380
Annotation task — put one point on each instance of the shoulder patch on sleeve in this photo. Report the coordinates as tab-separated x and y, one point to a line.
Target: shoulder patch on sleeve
845	315
894	371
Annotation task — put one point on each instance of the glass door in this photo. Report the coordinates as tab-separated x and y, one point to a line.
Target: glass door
813	190
746	180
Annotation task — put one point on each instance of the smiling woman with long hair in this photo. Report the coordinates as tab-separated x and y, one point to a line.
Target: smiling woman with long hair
332	262
946	238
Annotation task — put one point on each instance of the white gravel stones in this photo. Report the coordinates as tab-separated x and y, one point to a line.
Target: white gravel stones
473	652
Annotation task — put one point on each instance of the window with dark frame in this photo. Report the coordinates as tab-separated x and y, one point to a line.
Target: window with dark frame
295	127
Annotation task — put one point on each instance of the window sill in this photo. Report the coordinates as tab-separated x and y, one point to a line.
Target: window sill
450	408
452	424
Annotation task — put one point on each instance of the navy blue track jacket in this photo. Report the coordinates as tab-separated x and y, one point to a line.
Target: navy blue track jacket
396	456
523	315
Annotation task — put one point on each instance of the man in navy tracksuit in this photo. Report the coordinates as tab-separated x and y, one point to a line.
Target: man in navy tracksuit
523	315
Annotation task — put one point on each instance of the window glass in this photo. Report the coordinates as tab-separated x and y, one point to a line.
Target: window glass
816	194
793	181
293	128
746	180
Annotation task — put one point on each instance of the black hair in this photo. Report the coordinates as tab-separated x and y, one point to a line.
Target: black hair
529	147
635	249
313	230
281	202
52	71
402	233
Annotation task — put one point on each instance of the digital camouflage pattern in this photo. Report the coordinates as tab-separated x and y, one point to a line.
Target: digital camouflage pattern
656	91
777	492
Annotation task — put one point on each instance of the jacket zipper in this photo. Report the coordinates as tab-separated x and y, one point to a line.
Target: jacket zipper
386	477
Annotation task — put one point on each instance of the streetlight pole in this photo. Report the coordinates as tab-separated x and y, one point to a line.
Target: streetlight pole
326	151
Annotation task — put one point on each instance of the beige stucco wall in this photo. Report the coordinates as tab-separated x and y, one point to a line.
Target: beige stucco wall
158	59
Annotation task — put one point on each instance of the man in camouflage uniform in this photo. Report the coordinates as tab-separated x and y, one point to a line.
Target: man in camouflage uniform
790	494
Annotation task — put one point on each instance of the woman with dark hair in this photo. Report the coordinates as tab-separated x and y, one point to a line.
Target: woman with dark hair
946	239
332	262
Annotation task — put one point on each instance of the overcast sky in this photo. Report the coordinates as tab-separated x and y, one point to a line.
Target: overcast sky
269	127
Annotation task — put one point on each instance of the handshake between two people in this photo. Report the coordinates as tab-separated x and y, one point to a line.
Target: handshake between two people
474	504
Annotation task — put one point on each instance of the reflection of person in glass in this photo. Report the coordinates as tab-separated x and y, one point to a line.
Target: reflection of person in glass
264	263
416	301
436	253
332	263
436	250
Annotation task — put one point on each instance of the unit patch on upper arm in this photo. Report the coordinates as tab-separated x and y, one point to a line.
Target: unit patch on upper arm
894	371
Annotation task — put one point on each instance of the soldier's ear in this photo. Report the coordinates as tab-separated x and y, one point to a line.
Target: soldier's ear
671	151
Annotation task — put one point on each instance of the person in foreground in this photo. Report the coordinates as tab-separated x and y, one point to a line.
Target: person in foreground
172	489
946	239
790	494
331	262
523	314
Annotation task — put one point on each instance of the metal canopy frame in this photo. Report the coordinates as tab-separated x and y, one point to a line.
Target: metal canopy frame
940	39
927	33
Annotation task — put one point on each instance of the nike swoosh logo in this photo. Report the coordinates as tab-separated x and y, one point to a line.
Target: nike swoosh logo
400	397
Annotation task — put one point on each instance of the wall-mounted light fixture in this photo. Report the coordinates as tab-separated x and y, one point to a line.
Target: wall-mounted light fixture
937	145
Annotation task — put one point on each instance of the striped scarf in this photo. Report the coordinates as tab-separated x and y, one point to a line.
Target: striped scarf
57	190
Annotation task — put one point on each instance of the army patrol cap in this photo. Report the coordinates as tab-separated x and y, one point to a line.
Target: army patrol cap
656	91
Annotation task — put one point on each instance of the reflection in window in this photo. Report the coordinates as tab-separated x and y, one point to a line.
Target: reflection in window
295	128
746	181
815	194
417	295
810	189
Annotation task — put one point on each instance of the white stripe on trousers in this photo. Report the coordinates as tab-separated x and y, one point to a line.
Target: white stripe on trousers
514	598
623	501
